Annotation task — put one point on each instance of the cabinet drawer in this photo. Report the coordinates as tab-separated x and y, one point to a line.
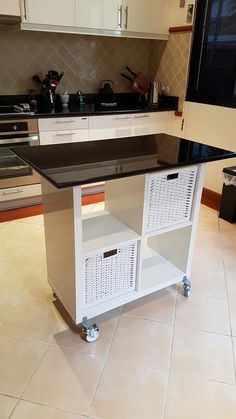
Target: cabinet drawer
149	123
112	126
59	124
60	137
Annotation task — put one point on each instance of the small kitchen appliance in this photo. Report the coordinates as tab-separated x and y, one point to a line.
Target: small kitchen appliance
107	96
152	93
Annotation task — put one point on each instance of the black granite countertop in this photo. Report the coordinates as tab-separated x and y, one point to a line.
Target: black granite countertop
67	165
126	103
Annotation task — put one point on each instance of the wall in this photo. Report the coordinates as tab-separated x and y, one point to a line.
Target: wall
173	66
86	60
215	125
177	16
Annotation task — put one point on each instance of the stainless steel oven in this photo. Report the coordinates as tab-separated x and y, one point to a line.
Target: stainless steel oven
14	172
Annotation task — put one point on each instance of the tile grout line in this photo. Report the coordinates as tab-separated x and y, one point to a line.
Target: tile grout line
34	370
227	293
105	362
171	351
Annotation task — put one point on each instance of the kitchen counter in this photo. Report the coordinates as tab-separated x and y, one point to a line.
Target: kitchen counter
126	103
67	165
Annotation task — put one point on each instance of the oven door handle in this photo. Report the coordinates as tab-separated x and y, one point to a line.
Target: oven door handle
13	141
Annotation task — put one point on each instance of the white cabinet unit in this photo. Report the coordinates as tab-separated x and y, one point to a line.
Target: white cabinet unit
53	12
63	130
146	17
115	126
111	259
127	18
109	126
99	14
11	8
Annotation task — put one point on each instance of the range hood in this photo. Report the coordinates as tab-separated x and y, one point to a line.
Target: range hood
9	19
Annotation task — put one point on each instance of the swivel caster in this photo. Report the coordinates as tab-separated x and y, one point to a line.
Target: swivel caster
186	286
90	331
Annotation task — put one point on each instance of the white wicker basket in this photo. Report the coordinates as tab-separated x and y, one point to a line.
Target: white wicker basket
169	196
107	275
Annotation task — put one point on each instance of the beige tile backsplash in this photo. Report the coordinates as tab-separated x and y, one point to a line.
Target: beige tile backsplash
173	67
86	60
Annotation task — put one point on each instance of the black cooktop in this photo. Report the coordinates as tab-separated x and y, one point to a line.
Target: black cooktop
66	165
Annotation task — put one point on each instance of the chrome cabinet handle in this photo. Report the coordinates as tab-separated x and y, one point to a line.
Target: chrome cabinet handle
120	17
23	10
12	192
126	16
141	116
63	134
121	117
65	122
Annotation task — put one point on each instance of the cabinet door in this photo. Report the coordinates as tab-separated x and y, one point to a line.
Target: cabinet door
99	14
10	7
109	126
53	12
62	137
144	16
149	123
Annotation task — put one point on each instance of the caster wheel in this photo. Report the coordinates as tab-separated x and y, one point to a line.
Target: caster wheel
187	292
91	334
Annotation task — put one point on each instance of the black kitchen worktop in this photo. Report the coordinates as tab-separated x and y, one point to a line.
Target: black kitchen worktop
66	165
126	103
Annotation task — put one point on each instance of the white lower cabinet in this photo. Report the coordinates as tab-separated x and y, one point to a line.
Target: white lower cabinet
111	258
63	130
116	126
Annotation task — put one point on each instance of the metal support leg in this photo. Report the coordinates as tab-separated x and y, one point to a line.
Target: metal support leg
186	286
90	331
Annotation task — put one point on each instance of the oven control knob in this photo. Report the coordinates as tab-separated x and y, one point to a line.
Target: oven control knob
14	127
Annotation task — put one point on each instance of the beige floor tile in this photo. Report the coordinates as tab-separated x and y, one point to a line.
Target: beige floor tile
8	248
203	354
231	283
40	289
16	279
129	391
230	260
19	358
203	313
208	282
86	209
7	405
158	306
69	336
208	212
7	303
17	231
232	310
207	257
35	219
3	224
31	254
207	239
27	410
226	227
36	236
228	242
34	319
65	379
141	340
194	398
208	224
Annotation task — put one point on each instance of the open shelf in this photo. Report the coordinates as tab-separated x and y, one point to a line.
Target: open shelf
104	232
156	271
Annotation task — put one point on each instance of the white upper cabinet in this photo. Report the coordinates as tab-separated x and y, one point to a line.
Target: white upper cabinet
147	17
53	12
99	14
11	7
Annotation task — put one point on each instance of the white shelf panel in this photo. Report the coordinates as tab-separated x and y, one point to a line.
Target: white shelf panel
105	232
157	272
167	229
